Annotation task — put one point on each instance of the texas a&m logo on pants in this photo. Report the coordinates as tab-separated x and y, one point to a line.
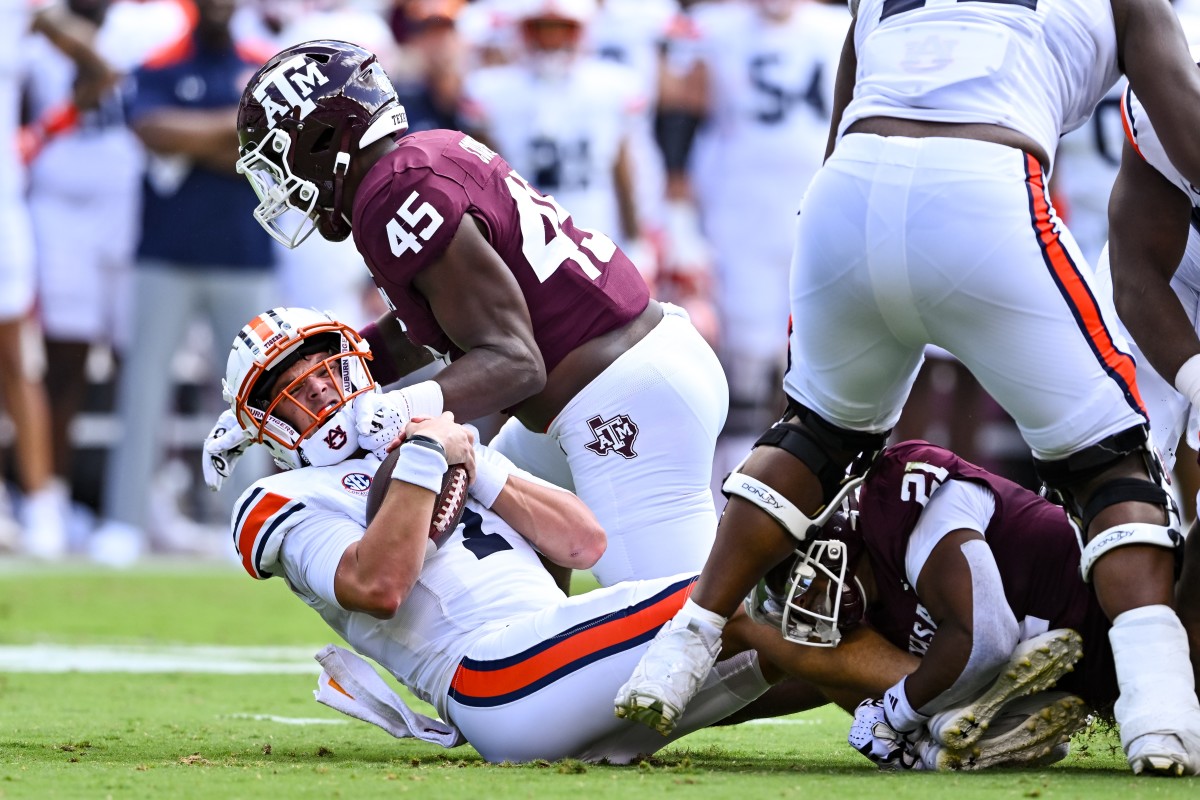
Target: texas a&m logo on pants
614	435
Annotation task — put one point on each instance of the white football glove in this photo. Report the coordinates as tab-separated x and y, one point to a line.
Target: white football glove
875	738
380	418
223	446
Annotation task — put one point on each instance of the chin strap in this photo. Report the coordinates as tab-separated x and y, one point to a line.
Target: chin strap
333	224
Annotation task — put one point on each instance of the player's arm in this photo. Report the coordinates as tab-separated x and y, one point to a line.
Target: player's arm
843	87
959	584
74	36
376	573
208	135
553	520
960	587
1148	225
394	354
623	182
556	522
864	664
1153	52
480	306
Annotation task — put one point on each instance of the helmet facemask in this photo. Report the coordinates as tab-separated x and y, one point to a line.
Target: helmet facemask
323	436
286	202
825	598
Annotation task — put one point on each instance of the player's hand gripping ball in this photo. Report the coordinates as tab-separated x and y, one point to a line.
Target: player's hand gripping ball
447	509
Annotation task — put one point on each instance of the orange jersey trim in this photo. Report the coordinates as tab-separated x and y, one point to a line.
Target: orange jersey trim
266	507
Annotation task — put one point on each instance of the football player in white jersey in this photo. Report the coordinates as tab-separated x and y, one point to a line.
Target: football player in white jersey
930	223
764	72
563	117
1153	262
476	626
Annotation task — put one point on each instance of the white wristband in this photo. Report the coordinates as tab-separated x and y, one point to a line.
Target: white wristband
424	399
490	478
899	713
1187	380
420	466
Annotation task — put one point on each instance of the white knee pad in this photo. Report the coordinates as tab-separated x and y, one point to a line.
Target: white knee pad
784	511
1122	535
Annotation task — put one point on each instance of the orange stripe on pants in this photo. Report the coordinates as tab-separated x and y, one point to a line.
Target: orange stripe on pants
576	647
1076	291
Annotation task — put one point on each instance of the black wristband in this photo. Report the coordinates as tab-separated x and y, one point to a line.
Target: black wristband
426	441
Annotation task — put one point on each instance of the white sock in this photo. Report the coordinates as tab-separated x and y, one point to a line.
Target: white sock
1154	674
708	624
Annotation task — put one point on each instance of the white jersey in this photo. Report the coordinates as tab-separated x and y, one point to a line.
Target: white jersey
563	133
977	62
1088	158
771	97
298	524
1145	140
1171	414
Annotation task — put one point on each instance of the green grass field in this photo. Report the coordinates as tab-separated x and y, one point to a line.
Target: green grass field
189	732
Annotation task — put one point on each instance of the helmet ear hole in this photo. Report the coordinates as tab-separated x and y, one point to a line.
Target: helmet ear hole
323	141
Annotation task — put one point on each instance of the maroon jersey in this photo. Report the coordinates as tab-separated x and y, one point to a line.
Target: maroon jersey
577	283
1034	546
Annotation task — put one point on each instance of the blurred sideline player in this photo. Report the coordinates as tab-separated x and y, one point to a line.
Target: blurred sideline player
612	394
758	79
935	186
85	172
563	117
24	397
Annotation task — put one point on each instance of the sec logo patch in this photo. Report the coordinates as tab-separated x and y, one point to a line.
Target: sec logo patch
357	482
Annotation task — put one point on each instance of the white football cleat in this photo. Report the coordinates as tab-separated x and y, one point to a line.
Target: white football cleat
1162	754
1036	664
667	678
1033	731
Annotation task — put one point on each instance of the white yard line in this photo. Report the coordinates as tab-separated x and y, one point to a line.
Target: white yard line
56	658
289	720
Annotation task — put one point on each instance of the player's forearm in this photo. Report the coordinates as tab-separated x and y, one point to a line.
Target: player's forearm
553	520
864	664
206	135
377	573
488	379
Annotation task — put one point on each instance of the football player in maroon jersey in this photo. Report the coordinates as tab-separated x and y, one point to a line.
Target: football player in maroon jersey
934	553
611	393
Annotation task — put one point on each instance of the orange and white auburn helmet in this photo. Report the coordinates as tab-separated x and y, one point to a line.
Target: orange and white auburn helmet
268	345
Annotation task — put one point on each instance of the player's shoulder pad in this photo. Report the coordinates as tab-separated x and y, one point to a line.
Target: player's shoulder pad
273	505
261	517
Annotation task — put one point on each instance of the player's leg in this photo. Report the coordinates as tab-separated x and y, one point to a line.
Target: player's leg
848	379
640	441
559	669
1065	376
23	392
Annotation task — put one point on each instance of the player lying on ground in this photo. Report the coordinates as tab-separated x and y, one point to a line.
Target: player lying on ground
474	625
967	570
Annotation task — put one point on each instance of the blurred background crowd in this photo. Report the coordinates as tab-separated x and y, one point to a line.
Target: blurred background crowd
688	131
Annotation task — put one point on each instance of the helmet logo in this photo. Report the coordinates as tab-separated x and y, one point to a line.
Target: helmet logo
295	80
336	439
